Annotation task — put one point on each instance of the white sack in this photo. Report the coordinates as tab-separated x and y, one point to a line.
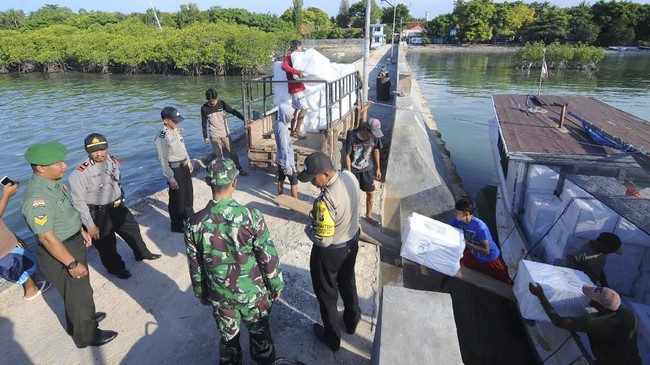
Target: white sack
316	68
562	287
433	244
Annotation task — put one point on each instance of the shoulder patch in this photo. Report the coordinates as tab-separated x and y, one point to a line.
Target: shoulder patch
83	166
162	134
38	203
40	219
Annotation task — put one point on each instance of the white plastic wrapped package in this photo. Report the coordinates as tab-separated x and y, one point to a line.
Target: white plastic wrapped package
433	244
316	68
539	214
562	287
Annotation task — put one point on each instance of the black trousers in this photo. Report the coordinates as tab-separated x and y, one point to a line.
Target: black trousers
77	293
181	200
332	272
120	220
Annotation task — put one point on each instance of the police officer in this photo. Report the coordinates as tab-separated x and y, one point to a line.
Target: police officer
243	275
334	250
98	196
177	168
61	253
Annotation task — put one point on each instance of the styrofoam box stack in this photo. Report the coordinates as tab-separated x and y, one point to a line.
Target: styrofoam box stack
562	287
541	179
643	340
433	244
585	217
539	214
316	67
622	271
629	233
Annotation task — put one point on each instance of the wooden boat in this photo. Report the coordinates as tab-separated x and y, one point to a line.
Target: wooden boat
570	167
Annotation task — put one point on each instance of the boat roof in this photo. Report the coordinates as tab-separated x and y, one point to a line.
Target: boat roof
529	130
529	125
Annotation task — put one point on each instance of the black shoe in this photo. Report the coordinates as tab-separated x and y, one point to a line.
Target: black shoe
122	274
319	331
101	338
243	173
152	256
99	316
352	328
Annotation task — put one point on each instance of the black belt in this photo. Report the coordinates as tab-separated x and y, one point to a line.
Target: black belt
344	244
72	237
177	164
108	206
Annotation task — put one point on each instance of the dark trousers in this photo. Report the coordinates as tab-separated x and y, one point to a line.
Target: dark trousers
111	220
77	293
181	200
224	148
332	272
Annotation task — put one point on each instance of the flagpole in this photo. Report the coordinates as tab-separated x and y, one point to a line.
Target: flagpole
542	72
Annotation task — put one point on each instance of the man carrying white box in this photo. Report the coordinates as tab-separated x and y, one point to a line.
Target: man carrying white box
612	331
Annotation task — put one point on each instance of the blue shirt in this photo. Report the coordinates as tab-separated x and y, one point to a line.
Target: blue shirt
475	232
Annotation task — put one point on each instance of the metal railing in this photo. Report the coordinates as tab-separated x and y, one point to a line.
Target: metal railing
258	93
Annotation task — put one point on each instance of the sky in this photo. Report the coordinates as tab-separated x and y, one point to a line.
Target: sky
418	8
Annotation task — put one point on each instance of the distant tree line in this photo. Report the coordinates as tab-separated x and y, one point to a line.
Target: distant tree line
604	23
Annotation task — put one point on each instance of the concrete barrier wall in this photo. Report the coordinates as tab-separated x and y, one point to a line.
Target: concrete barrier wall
420	177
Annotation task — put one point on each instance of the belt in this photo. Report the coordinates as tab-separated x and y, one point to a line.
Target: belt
114	204
178	164
72	237
344	244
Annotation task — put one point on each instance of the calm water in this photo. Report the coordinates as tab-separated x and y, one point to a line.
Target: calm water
458	88
126	109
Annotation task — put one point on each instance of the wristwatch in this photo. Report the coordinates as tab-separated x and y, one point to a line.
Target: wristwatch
72	265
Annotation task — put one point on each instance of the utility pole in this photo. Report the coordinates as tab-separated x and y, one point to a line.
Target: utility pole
366	51
392	35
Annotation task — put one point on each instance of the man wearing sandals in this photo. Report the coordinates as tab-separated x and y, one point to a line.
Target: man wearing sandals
296	90
17	263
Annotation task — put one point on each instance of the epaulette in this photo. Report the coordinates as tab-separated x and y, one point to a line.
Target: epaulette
116	159
83	166
162	134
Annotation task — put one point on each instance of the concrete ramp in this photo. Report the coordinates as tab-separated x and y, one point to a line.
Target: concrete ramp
415	327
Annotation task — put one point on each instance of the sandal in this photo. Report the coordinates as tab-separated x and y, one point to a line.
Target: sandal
43	286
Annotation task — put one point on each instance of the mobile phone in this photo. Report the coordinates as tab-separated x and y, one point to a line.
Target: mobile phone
6	181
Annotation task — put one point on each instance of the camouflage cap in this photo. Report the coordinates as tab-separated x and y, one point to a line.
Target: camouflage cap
45	154
222	172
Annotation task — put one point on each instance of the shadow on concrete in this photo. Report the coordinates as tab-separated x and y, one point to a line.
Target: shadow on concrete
12	349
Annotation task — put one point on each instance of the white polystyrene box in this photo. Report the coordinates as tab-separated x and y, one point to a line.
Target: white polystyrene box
629	233
539	214
622	271
588	217
552	246
562	287
642	288
542	178
433	244
643	337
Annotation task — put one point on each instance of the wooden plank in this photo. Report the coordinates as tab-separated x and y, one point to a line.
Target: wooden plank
486	282
369	233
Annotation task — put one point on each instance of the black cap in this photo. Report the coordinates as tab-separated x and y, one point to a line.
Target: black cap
315	163
172	113
95	142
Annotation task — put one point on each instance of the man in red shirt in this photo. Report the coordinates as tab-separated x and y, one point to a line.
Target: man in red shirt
296	89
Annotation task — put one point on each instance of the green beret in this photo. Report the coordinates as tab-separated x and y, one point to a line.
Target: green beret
222	172
45	154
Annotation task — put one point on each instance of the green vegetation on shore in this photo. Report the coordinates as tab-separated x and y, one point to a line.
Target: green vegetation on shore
560	55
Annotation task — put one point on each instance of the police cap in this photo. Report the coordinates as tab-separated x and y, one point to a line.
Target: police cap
95	142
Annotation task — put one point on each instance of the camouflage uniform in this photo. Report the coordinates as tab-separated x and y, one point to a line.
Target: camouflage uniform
235	266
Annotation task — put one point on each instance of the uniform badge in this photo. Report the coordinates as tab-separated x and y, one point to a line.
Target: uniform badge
83	166
101	186
38	203
162	134
40	219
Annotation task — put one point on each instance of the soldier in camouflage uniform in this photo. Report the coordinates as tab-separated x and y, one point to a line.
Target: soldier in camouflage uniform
234	266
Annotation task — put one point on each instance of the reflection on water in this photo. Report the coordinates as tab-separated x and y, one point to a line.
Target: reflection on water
458	89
